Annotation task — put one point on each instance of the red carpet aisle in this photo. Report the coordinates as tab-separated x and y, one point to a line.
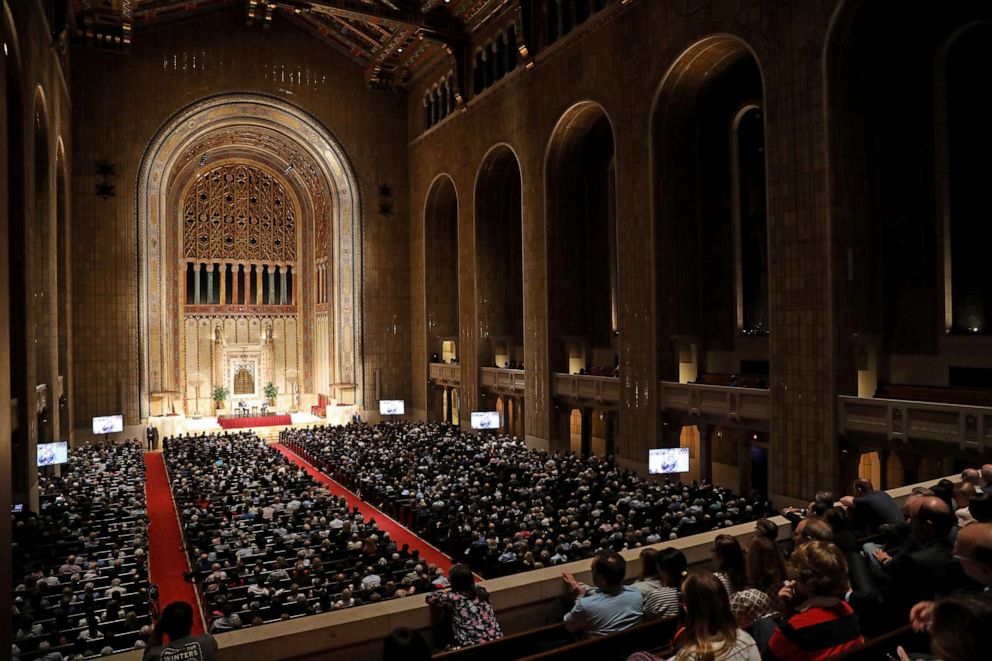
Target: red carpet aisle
400	534
167	560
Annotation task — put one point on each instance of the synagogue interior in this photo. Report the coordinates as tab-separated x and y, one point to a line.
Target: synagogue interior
350	327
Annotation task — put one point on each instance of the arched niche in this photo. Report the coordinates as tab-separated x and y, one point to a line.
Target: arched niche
499	257
710	206
313	162
580	180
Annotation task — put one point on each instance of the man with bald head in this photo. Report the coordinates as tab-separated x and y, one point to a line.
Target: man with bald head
972	476
923	568
987	478
974	550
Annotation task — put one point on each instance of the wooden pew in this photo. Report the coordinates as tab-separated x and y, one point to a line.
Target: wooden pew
514	646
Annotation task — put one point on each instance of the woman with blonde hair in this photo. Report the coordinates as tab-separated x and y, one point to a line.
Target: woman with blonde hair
710	632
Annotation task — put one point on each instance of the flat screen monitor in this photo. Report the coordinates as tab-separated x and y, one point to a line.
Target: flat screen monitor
108	424
17	508
391	407
485	419
50	454
668	460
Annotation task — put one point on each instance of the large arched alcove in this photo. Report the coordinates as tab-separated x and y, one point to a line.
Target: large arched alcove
908	207
441	284
302	330
580	178
499	259
710	204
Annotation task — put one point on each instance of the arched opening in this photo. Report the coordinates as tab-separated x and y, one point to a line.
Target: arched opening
968	145
292	339
908	250
16	251
498	259
441	284
582	242
64	306
711	212
39	272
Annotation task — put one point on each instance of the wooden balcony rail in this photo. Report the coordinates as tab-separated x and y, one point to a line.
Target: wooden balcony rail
970	427
446	374
604	390
502	380
725	405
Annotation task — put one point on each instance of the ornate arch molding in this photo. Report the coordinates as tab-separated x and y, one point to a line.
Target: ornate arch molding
318	159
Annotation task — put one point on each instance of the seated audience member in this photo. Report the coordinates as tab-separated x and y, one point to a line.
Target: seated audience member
176	622
613	607
818	623
710	632
963	493
660	600
472	617
405	645
810	530
765	575
870	509
986	472
729	558
766	528
959	628
973	548
923	568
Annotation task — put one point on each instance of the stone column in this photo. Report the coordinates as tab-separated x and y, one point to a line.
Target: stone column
272	284
282	285
258	284
235	285
196	285
210	284
586	431
223	284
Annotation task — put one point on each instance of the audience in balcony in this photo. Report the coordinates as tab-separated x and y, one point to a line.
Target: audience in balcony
869	509
176	622
486	499
612	607
765	575
662	573
817	622
473	620
710	629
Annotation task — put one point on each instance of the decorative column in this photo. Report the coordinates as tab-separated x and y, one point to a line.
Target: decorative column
282	285
560	27
586	432
210	284
223	284
235	285
258	284
272	284
196	285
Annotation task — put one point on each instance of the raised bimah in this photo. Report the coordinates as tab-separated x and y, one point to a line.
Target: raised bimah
254	422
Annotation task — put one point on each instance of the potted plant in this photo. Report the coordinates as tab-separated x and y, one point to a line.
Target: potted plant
220	393
271	392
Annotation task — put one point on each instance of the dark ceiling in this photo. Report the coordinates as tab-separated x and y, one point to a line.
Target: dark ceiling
393	41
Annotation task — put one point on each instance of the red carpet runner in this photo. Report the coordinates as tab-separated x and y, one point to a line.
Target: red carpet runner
400	534
167	561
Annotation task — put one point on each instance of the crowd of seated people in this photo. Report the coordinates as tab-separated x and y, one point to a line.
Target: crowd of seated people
80	571
503	508
267	542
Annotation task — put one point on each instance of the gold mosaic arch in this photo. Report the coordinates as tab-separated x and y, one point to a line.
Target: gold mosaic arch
275	132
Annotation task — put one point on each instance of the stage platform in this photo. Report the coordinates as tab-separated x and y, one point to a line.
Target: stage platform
254	422
210	424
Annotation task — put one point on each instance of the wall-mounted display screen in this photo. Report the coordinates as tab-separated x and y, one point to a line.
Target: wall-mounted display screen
50	454
668	460
108	424
485	419
391	407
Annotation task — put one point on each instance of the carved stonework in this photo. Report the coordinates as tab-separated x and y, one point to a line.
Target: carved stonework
255	129
239	212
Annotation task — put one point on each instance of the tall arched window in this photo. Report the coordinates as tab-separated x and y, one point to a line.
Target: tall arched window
750	219
969	171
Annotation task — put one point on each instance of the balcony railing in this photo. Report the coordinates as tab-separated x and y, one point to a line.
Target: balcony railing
604	390
898	419
726	405
446	374
502	380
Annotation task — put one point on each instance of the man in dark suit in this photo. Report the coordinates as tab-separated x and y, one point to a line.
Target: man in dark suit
870	509
924	568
